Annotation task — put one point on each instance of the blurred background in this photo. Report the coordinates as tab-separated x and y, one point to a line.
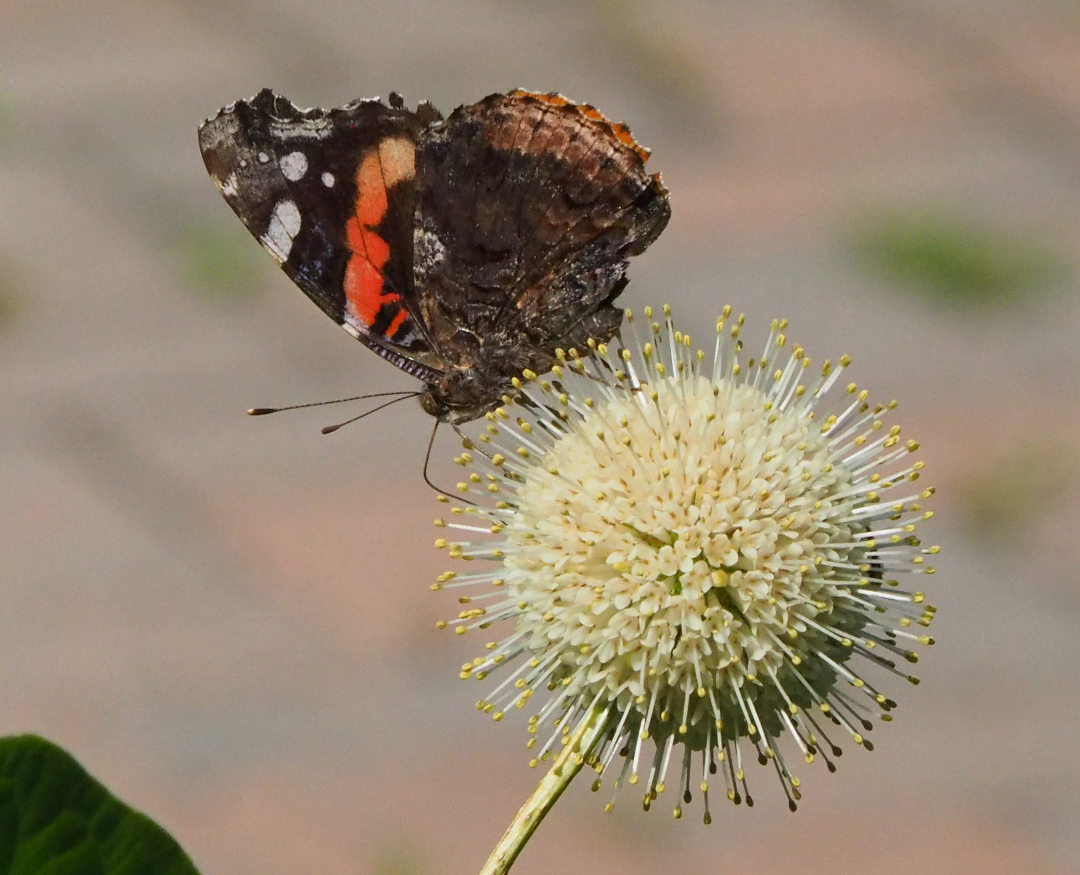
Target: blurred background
228	620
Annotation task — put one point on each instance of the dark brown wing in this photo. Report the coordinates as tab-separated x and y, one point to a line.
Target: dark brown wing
331	195
528	206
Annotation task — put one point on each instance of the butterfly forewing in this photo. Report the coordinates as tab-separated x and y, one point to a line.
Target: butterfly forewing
330	193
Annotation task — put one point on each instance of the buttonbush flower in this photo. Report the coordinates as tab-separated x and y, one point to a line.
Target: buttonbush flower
685	554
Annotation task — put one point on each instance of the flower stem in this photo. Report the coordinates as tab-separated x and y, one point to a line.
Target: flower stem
567	764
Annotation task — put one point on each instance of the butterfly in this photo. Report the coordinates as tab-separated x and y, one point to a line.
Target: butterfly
463	249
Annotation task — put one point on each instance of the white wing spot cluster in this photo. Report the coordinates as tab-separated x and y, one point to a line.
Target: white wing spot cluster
284	226
429	251
328	180
294	166
228	187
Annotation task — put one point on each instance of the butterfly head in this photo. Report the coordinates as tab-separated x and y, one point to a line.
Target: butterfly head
435	404
464	395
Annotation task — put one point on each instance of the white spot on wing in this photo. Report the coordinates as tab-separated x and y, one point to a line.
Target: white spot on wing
263	157
328	180
284	226
228	187
294	166
351	329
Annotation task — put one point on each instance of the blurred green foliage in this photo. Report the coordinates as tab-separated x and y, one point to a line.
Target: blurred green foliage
5	117
397	858
9	304
57	820
657	52
1021	486
221	260
956	262
636	41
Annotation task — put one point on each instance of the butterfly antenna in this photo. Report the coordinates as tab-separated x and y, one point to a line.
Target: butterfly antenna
330	429
263	411
427	480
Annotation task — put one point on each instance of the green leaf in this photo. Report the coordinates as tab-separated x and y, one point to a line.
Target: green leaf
57	820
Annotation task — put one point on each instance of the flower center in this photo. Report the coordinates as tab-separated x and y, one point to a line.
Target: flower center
668	545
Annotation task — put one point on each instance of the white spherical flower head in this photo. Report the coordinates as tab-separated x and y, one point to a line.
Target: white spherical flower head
692	553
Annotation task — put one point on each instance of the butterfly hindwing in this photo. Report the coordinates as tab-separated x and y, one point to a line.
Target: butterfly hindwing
534	203
330	194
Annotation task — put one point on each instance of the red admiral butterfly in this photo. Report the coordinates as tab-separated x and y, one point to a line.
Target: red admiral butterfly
464	250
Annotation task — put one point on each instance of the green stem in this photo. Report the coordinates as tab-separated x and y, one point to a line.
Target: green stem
567	764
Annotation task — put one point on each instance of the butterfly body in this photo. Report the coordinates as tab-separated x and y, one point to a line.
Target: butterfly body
464	250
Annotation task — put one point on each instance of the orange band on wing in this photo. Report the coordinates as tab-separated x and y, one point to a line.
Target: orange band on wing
363	274
399	320
370	191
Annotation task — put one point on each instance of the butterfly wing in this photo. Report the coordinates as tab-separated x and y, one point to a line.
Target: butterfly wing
331	195
528	206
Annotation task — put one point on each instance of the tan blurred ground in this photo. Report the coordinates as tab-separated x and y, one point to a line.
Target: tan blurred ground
227	620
